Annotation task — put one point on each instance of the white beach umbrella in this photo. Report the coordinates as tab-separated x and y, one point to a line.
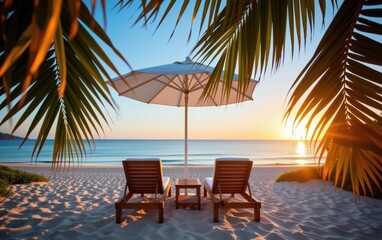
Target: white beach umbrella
178	84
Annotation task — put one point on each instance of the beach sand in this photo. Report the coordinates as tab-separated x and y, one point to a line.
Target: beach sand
79	204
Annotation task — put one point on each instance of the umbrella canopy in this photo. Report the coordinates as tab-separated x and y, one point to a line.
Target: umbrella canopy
179	84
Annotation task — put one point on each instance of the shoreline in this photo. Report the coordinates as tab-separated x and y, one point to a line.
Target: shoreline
46	165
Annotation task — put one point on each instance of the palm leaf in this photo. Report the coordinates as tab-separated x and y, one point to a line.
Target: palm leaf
59	86
247	37
243	36
344	75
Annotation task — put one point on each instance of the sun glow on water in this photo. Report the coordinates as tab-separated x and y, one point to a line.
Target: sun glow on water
301	162
301	152
301	149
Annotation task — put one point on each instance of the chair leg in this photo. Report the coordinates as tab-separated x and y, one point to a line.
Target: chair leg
161	206
216	212
257	212
118	213
169	193
205	191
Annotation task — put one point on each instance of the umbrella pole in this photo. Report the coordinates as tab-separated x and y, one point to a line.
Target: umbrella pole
186	135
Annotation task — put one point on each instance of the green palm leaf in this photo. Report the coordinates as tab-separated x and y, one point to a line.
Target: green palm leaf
243	36
68	92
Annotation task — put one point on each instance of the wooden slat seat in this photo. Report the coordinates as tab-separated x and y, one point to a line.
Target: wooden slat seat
231	177
144	176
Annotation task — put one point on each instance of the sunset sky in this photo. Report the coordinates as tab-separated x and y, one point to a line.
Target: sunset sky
142	47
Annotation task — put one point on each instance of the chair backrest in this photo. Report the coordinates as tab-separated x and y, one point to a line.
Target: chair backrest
231	174
144	175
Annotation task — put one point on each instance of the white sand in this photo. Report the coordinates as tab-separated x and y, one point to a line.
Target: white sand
80	205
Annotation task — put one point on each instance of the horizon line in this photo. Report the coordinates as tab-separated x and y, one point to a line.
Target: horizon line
176	139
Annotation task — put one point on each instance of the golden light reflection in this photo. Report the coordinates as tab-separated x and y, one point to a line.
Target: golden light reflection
301	149
301	162
301	152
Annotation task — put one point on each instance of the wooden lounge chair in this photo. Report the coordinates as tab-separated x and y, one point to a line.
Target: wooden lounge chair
144	176
231	176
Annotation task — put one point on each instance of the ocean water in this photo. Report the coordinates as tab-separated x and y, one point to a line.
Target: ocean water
200	152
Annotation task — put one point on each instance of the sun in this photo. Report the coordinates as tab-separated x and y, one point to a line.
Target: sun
295	133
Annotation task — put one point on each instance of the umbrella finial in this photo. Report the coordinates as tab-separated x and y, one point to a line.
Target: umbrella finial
187	61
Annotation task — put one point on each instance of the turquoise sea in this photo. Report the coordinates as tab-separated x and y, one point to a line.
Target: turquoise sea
201	152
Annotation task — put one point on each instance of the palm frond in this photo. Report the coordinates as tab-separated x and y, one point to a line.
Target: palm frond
243	36
59	86
341	87
246	36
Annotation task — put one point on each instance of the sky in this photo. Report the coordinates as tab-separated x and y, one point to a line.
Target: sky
144	47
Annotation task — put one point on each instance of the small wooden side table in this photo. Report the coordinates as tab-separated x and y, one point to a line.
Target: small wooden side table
187	200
